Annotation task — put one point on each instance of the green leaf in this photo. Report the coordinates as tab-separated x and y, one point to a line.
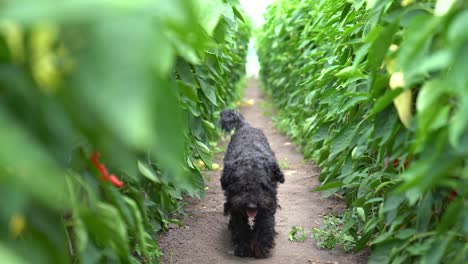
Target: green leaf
146	171
406	233
419	249
423	175
415	46
204	153
380	45
424	212
7	255
437	61
28	166
370	4
137	217
429	94
104	79
209	13
386	100
361	214
436	253
392	203
459	123
458	31
208	91
321	134
188	91
238	13
328	186
451	216
343	140
107	227
169	138
350	72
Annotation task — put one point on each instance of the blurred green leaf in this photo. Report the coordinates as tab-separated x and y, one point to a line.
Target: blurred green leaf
451	215
386	100
436	253
117	78
209	13
379	46
28	166
459	123
8	255
106	227
169	138
458	31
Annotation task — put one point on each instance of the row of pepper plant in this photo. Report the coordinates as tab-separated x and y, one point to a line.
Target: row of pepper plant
376	93
104	108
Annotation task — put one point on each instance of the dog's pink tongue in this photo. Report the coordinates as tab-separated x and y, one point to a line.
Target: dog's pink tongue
251	213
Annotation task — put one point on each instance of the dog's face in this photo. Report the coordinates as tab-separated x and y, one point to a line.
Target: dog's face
253	202
251	193
253	206
250	188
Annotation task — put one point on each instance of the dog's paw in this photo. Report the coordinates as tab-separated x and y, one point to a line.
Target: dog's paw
243	252
227	218
261	252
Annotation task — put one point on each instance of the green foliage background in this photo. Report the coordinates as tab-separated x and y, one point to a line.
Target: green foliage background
141	82
327	63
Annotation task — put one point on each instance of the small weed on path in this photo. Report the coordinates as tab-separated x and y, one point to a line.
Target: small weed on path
297	234
331	235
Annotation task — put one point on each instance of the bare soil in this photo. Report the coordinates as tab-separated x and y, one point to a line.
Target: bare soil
205	238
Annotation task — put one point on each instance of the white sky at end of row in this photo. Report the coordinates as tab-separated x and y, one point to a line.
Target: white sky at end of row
255	10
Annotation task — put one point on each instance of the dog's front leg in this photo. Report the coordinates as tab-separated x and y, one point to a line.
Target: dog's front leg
227	208
263	240
241	237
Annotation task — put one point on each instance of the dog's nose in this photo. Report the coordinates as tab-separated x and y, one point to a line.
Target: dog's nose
252	206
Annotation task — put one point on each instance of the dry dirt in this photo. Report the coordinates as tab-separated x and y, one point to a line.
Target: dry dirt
205	239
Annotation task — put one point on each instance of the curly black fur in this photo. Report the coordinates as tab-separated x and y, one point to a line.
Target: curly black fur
249	180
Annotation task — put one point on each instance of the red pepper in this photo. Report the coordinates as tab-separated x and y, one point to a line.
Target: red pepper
103	171
115	181
396	162
95	158
407	163
452	195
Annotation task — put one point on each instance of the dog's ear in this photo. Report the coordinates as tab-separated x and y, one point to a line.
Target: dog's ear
276	172
226	177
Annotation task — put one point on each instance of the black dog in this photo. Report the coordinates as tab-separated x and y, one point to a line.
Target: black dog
249	181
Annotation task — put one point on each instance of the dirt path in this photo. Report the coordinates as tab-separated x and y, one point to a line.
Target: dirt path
206	238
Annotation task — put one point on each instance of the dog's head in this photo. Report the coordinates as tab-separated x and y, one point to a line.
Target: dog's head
253	202
251	188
